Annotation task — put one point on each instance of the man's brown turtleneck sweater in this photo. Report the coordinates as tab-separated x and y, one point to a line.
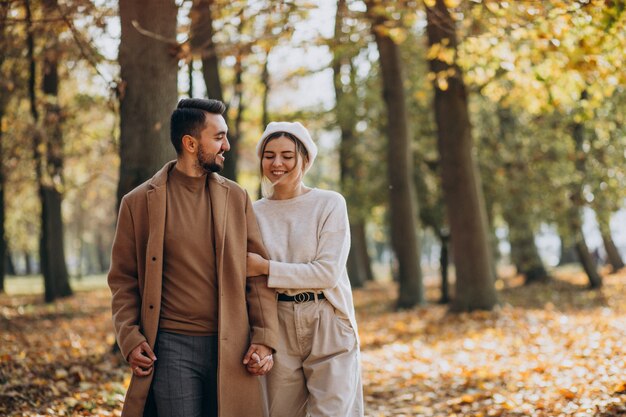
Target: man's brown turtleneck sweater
189	295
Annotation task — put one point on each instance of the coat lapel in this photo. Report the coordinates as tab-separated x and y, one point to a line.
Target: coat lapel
219	203
157	203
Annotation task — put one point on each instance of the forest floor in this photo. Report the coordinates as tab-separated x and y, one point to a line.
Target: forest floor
547	350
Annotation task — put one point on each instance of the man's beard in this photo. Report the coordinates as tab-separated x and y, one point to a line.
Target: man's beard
207	161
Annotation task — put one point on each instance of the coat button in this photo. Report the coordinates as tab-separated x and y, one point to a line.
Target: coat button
154	258
151	306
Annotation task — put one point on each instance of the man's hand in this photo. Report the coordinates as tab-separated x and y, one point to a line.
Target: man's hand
256	265
141	360
258	359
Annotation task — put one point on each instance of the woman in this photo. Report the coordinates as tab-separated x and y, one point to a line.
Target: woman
306	233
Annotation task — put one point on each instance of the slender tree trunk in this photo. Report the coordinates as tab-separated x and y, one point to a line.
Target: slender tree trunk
461	181
202	43
3	241
265	82
28	269
568	254
515	208
49	167
577	201
359	264
52	248
4	9
265	116
612	254
444	239
402	199
230	168
524	251
587	261
103	259
190	74
148	90
10	265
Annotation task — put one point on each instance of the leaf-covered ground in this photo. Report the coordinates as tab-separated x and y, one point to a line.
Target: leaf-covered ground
553	350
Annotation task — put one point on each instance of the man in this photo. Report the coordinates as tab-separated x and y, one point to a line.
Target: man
183	311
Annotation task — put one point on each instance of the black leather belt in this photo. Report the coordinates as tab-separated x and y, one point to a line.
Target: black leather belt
303	297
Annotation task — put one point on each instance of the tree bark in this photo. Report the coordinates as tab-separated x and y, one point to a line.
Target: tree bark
612	254
4	9
402	199
461	181
148	90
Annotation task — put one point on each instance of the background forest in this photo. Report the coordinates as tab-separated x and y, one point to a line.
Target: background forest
480	145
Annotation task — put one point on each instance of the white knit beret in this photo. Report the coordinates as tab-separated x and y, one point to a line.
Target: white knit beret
296	129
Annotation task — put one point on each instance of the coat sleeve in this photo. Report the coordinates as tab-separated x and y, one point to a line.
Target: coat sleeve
324	271
261	300
123	282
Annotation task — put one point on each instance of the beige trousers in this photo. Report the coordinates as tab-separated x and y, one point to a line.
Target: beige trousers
316	369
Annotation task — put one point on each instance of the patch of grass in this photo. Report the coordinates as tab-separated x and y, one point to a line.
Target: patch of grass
33	284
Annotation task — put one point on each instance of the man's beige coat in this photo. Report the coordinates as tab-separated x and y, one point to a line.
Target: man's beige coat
247	308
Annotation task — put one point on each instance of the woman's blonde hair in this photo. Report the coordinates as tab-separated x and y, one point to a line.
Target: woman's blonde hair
302	158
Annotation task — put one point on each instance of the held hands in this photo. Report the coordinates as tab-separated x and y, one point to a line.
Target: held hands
258	360
141	360
256	265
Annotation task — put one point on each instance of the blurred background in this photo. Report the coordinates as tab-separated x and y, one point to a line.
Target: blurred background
484	135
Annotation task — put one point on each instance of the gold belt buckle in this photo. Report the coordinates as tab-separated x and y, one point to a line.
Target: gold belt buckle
302	297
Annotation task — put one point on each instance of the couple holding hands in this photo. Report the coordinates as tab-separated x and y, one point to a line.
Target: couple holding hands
210	291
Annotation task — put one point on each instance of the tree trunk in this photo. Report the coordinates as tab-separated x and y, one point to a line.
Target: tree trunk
568	254
577	202
524	251
201	42
612	254
190	74
9	268
230	168
4	9
588	264
102	256
359	264
359	267
52	248
49	167
461	181
444	239
402	199
28	269
265	116
3	241
148	90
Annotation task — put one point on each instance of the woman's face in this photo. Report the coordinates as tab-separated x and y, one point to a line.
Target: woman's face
280	162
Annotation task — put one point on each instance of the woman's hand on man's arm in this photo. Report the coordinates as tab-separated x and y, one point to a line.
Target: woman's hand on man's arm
256	265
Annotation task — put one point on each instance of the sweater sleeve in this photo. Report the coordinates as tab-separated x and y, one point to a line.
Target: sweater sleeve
324	271
122	279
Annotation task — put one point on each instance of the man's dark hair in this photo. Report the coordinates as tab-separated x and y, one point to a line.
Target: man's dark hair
189	118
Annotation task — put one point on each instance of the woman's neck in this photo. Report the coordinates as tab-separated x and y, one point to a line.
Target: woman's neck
286	192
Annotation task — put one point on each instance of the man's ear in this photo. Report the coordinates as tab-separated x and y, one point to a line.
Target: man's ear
189	144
